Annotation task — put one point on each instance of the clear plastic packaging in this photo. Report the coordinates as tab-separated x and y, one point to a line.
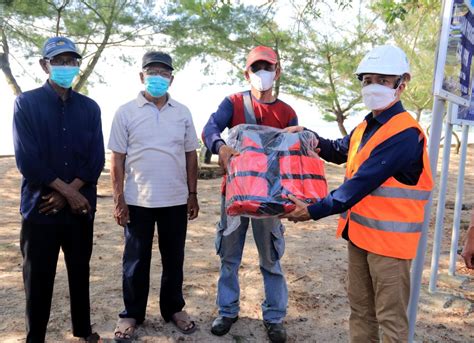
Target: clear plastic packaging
272	164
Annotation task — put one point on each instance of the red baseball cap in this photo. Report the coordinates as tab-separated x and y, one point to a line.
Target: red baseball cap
261	53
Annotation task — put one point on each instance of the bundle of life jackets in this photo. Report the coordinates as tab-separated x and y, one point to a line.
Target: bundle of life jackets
272	164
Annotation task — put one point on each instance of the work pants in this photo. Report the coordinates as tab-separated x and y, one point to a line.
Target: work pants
378	290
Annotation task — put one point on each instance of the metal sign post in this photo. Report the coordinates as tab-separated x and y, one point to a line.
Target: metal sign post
453	83
417	267
438	233
462	42
458	203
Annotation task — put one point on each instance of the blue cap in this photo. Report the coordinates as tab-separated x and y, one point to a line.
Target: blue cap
58	45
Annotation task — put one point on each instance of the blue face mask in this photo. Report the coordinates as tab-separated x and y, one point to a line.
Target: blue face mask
156	85
63	75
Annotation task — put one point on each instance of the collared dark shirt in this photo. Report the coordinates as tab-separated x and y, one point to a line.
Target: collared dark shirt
400	156
56	139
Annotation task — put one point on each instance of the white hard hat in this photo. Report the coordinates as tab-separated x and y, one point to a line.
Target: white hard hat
385	60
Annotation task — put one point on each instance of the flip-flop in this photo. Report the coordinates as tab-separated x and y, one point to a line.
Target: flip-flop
125	329
183	317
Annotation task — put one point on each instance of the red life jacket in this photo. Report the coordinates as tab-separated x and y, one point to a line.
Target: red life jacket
278	116
271	165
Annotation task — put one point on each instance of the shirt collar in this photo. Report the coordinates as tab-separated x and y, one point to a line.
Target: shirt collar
50	90
387	114
142	101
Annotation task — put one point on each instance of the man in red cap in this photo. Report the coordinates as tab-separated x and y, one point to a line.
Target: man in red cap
257	106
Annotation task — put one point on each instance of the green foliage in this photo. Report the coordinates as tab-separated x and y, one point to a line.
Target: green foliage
317	65
323	65
399	10
21	17
392	10
416	32
316	68
94	25
218	29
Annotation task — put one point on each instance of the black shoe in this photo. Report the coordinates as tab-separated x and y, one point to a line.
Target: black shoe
221	325
93	338
276	332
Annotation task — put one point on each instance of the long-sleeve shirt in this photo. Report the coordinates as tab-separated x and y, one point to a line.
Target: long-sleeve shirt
230	113
400	156
56	139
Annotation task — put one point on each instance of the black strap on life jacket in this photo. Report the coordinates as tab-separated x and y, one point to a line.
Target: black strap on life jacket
248	109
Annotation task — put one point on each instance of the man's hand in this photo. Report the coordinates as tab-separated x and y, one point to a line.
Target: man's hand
78	203
52	203
121	213
193	206
300	213
468	250
293	129
225	153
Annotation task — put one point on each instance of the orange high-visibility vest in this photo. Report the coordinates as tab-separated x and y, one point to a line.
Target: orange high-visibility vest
388	221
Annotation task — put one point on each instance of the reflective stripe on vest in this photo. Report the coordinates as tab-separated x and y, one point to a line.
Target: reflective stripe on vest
392	192
384	225
389	220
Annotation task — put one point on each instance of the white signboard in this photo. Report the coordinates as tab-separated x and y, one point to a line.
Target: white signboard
453	73
466	114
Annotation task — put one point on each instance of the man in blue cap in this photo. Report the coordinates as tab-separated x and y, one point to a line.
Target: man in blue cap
59	151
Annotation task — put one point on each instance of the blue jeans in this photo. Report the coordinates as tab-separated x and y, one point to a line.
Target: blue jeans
268	236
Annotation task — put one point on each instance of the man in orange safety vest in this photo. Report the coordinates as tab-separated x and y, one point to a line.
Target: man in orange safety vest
382	200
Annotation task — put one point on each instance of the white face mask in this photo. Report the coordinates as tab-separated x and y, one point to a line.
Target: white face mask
262	80
378	97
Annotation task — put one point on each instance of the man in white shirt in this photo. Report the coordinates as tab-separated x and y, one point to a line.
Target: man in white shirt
153	143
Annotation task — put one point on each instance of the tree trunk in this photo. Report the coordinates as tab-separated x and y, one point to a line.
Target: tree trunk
91	65
5	65
458	143
340	124
276	88
418	114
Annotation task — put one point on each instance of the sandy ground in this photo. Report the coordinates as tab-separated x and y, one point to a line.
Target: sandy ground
314	262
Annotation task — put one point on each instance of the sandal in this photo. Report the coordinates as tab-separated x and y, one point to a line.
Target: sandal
125	329
183	322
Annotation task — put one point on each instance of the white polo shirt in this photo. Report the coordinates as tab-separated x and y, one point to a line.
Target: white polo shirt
155	142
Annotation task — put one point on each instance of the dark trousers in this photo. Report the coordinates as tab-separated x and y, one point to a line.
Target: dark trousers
40	244
172	224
